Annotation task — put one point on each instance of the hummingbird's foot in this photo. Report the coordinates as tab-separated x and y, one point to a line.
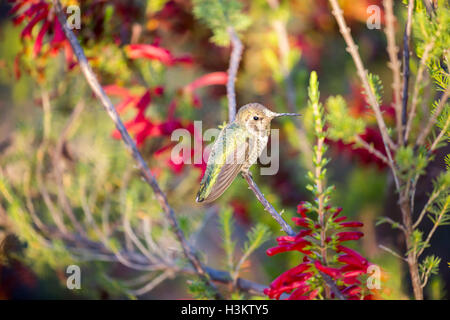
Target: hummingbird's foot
246	172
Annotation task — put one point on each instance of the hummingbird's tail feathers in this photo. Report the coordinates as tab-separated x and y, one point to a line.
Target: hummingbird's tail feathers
223	181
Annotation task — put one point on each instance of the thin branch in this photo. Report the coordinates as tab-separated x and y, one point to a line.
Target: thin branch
353	50
430	201
62	197
54	212
267	206
394	63
391	252
429	5
235	58
241	284
395	224
29	204
189	252
153	283
406	55
370	148
99	251
417	84
362	72
433	119
425	276
332	285
441	134
436	224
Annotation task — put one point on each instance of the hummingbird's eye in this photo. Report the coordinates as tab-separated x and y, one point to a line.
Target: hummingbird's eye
255	118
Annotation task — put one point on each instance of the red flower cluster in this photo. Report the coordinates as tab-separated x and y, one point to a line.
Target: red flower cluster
301	281
142	128
33	12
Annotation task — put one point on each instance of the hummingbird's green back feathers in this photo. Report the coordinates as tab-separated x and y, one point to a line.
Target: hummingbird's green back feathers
228	155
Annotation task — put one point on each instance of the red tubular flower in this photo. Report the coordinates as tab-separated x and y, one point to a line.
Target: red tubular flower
340	219
38	44
158	91
297	246
16	7
35	11
144	101
289	280
115	90
349	235
351	224
26	32
214	78
302	210
337	212
347	259
298	294
301	268
358	259
153	52
348	267
302	222
332	272
352	290
148	51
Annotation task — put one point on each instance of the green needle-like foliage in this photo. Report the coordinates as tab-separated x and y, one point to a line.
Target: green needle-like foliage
219	15
226	224
341	124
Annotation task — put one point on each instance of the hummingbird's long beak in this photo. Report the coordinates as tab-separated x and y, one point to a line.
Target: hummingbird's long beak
286	114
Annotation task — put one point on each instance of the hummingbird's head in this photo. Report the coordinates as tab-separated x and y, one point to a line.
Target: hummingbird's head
257	118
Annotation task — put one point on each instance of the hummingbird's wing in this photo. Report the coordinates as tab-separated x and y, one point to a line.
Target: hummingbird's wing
228	155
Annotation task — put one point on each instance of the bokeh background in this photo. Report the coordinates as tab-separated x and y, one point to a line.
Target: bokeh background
95	172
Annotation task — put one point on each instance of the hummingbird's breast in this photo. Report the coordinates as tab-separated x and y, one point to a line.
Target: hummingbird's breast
257	144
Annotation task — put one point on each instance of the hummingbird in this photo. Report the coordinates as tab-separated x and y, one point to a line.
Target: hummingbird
236	149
